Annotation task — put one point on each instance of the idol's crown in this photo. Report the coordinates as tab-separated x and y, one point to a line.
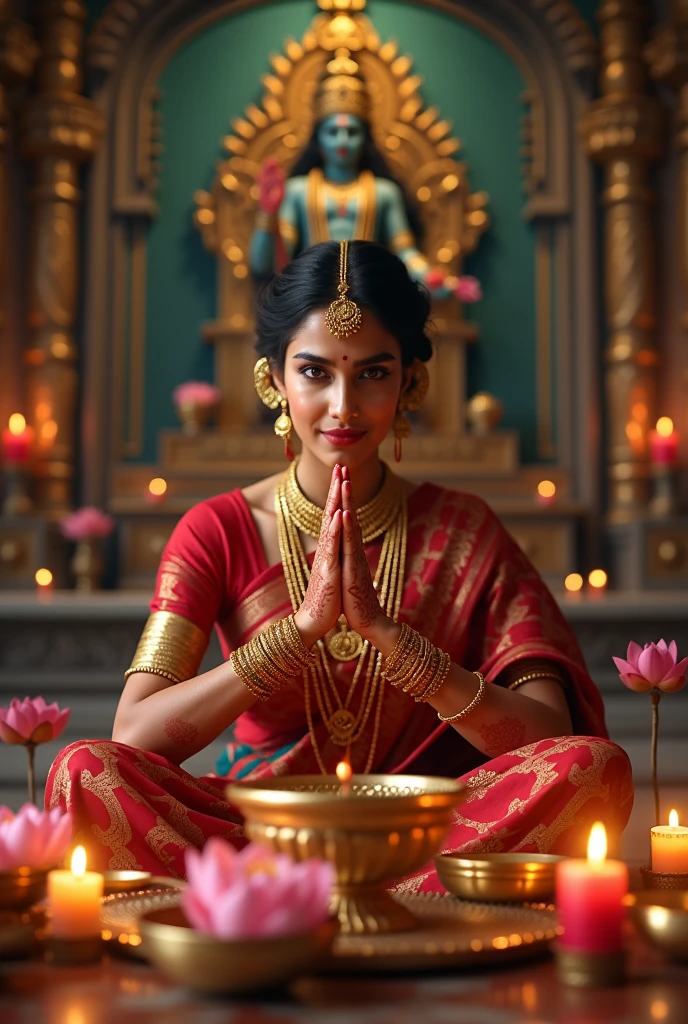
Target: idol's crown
342	90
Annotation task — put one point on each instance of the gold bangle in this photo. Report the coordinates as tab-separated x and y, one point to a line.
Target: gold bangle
171	646
532	677
469	707
415	666
271	658
266	221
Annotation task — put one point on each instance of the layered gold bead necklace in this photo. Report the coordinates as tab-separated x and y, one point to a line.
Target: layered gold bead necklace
384	514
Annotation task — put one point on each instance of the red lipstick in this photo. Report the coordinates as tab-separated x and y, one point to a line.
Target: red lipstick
340	438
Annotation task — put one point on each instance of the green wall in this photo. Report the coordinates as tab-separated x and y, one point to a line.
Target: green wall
212	79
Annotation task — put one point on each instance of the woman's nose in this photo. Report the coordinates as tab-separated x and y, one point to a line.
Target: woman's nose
343	404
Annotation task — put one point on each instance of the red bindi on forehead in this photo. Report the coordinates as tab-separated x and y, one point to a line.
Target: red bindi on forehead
345	358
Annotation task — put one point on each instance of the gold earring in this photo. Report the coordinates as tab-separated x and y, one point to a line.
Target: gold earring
283	429
412	399
270	396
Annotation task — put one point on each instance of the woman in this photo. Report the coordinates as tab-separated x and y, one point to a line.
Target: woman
412	634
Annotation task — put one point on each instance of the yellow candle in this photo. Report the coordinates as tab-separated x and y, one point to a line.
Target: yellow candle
74	898
669	845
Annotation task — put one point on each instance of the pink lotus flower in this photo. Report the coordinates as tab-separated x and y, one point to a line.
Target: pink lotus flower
468	290
32	721
654	666
196	392
254	893
86	523
33	838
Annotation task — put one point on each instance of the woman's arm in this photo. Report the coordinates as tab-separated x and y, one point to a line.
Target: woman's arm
178	720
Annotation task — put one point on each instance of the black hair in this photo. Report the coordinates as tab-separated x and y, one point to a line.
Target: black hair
378	281
371	159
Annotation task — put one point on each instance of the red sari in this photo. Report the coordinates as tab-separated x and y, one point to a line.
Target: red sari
470	590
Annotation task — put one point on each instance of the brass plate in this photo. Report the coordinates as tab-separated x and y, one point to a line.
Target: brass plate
125	881
450	933
499	877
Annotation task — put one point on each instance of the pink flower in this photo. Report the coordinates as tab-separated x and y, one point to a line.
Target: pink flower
254	893
654	666
468	289
86	523
32	721
33	838
196	392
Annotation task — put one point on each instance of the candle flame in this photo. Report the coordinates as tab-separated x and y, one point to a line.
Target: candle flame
673	818
79	862
17	424
597	843
547	489
665	426
343	771
597	578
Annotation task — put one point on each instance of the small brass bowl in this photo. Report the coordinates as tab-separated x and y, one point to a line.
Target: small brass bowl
217	967
125	881
499	877
385	827
663	879
661	915
21	888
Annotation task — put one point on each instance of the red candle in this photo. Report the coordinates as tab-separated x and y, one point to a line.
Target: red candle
664	443
590	898
16	439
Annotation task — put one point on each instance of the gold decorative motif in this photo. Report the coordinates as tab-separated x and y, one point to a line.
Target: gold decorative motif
262	380
346	644
362	191
343	316
171	646
342	90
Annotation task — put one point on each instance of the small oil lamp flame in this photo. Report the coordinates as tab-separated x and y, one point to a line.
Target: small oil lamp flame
673	818
597	843
79	862
343	772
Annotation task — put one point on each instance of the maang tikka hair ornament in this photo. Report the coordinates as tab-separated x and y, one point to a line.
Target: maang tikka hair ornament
270	396
343	316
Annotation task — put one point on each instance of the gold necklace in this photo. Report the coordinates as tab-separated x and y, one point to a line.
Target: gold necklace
343	726
374	518
362	189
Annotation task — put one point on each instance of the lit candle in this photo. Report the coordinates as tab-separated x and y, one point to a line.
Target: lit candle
597	582
16	439
669	844
546	492
664	443
344	773
157	489
590	898
74	899
44	583
573	584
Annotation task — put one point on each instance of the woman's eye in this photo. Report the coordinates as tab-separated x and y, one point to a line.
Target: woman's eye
374	373
314	372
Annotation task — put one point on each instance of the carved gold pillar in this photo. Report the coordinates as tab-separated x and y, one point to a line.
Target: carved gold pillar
61	131
18	53
667	55
623	131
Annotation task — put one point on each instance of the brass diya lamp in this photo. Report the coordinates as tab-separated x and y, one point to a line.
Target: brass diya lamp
372	828
22	887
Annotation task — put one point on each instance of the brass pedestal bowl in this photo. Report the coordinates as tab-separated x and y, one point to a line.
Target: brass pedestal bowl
380	828
499	877
21	888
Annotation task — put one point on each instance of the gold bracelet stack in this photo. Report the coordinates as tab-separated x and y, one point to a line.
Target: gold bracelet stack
469	707
416	666
271	658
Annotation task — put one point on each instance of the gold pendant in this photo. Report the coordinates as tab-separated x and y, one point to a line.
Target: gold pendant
347	644
340	726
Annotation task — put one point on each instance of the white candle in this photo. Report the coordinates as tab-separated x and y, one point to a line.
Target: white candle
74	899
669	845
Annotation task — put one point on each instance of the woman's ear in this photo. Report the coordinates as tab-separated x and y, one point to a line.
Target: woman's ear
278	380
406	381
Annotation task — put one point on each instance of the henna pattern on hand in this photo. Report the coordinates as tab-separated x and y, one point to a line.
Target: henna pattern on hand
183	734
501	737
366	603
320	590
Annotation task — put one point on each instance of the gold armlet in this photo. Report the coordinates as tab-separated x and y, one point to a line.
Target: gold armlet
402	240
266	221
469	707
289	233
170	646
415	666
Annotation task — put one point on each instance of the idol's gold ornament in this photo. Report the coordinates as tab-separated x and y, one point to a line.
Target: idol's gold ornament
343	317
319	191
344	725
342	90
